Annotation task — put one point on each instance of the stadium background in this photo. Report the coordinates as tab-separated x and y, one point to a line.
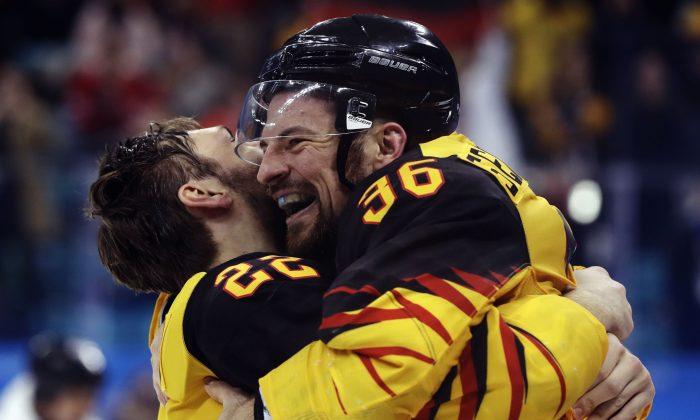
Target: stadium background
596	102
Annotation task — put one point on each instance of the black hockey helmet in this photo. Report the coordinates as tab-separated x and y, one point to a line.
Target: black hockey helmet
370	66
401	62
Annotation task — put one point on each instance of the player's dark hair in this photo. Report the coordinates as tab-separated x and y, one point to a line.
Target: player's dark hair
147	239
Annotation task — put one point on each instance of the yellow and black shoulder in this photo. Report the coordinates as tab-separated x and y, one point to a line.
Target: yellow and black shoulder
248	315
444	209
423	212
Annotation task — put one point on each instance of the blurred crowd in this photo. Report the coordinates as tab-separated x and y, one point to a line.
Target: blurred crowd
564	90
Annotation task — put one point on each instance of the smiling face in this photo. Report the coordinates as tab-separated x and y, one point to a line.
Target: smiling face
300	171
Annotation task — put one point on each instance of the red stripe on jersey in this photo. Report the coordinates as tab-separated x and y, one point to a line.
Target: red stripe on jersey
367	288
467	376
337	395
443	289
552	361
423	316
368	315
375	375
424	413
377	352
480	284
500	278
517	385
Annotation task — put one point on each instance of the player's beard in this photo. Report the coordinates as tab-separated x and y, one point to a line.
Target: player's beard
356	168
270	216
317	241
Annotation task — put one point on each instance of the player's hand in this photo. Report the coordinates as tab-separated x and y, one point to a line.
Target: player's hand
237	404
155	364
622	390
605	298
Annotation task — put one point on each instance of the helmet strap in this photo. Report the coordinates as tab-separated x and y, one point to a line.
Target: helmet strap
341	158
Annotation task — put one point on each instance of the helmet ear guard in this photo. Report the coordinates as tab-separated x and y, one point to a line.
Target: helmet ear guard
358	116
355	110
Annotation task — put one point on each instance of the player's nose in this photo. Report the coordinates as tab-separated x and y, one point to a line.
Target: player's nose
273	167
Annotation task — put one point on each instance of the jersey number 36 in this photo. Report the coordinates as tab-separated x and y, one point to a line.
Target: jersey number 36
416	179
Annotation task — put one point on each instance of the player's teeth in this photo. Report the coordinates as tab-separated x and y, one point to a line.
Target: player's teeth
289	198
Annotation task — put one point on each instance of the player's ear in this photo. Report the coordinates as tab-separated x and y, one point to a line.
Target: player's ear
204	196
391	140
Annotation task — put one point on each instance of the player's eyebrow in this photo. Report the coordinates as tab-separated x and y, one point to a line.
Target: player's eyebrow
297	129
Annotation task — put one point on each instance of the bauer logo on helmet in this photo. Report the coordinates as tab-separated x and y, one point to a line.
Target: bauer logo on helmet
373	59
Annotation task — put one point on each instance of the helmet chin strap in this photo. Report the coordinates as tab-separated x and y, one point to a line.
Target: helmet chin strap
341	158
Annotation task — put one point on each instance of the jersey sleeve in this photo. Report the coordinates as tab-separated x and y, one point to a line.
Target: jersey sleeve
548	375
518	364
246	318
413	281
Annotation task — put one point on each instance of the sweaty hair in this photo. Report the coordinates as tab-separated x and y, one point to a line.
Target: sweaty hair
147	239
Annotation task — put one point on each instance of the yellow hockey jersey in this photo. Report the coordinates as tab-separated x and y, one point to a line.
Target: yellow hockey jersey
439	253
235	322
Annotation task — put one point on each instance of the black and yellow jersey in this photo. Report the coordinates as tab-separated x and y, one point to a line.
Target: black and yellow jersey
445	261
235	322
